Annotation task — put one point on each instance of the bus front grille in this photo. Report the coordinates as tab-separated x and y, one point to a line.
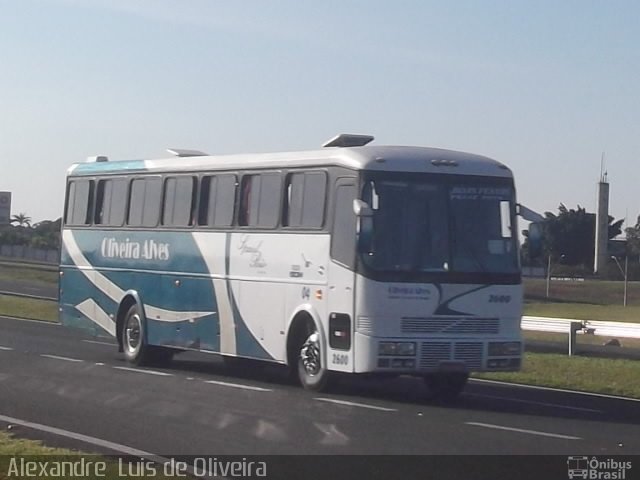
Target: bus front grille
470	353
431	354
455	325
434	353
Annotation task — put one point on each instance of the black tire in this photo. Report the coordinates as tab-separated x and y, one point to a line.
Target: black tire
134	346
313	375
445	387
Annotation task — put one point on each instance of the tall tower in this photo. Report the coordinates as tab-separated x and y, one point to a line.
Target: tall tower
602	225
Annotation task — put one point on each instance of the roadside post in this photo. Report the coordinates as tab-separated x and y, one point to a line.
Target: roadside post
573	330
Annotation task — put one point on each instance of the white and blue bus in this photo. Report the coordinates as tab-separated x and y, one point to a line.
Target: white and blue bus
350	258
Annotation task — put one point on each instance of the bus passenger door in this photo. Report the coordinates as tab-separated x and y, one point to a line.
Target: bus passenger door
339	327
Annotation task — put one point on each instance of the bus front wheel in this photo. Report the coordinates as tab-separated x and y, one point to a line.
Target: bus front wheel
311	372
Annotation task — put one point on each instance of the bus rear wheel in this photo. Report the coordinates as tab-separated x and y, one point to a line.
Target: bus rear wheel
134	346
445	386
136	351
312	374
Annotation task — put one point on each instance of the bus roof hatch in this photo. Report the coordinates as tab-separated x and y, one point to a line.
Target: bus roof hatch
348	140
181	152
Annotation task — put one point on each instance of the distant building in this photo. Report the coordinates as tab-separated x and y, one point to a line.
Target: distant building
602	226
5	208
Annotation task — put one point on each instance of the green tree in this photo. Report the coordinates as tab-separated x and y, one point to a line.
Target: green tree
46	234
14	236
569	235
21	220
633	238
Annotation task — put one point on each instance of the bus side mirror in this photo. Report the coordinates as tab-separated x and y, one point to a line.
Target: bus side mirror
535	239
362	209
365	225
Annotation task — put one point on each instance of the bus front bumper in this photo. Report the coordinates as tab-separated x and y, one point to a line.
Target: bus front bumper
424	355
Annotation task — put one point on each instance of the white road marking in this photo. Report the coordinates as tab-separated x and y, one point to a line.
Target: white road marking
332	436
522	430
269	431
239	385
6	349
532	402
227	419
552	389
116	447
354	404
65	359
148	372
100	343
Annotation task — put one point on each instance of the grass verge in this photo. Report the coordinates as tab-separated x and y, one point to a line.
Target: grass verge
34	451
589	291
28	273
17	446
585	300
587	374
28	308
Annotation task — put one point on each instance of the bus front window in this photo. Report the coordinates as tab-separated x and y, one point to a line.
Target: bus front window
436	224
481	219
410	226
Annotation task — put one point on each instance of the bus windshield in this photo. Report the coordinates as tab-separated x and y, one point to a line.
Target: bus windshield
441	224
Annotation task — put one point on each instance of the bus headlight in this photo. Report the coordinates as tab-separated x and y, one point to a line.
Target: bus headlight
397	348
503	349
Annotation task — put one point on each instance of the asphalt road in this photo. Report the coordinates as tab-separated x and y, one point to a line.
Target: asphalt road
54	376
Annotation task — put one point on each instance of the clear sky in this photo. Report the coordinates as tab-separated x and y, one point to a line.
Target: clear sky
543	86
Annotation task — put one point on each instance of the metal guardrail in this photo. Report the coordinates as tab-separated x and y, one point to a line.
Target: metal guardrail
26	295
536	324
593	327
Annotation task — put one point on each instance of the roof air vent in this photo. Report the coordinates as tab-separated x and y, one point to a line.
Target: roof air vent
181	152
97	158
349	140
440	162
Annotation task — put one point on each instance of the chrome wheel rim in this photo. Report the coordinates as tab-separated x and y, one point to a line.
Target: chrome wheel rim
310	355
132	333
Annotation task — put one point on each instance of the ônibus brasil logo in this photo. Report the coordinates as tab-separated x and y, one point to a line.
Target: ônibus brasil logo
593	468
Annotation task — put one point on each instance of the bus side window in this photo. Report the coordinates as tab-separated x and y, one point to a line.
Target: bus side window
100	201
178	201
207	198
111	196
260	200
144	202
343	239
269	200
305	199
79	202
247	185
217	200
225	200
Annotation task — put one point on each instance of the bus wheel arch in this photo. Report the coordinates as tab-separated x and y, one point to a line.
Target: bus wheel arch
306	353
131	311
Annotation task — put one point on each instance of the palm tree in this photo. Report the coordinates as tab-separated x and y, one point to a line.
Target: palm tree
21	220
